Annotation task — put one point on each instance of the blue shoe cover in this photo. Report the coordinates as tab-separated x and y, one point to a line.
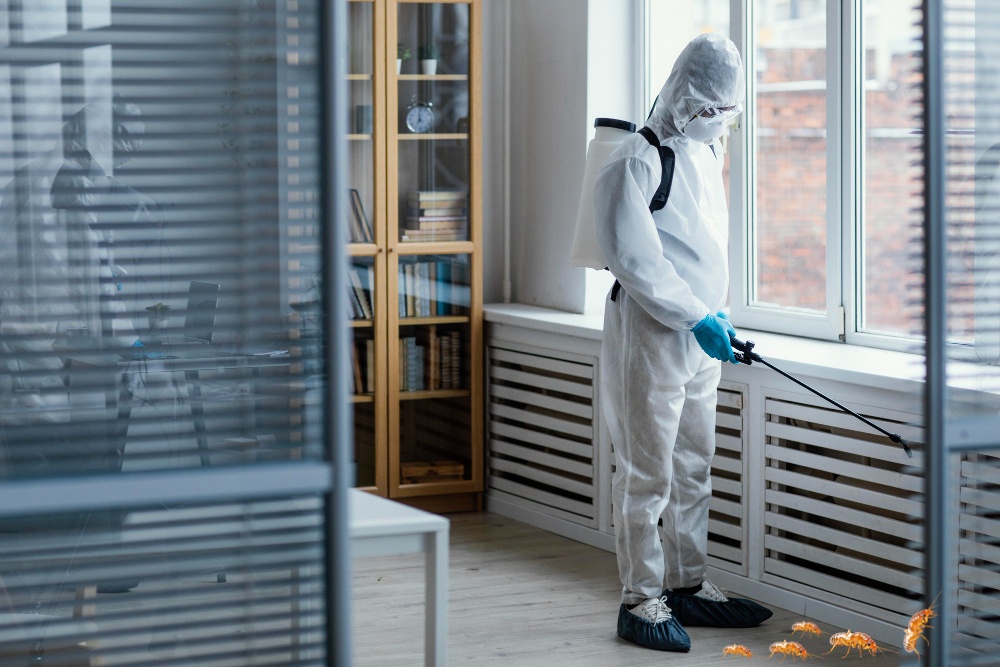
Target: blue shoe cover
695	611
666	635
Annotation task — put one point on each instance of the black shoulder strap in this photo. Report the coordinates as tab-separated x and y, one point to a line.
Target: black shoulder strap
667	169
666	177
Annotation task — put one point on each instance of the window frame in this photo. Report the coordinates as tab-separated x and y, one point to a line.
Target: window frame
845	189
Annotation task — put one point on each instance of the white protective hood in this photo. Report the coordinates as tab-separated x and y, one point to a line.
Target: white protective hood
707	73
673	262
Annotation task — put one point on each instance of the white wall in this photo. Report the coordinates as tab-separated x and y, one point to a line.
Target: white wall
570	62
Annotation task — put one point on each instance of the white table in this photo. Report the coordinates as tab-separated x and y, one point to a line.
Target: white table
382	527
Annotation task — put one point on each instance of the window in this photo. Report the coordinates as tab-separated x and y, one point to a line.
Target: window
824	166
163	400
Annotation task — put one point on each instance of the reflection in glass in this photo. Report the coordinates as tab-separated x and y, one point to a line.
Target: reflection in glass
790	215
891	301
434	286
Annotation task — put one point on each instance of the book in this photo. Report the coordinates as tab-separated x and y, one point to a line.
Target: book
369	365
437	212
437	195
432	374
436	223
445	342
444	288
401	289
360	292
356	384
360	219
456	360
429	235
411	292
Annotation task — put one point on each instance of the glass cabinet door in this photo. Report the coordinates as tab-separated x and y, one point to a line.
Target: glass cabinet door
432	122
434	358
366	238
432	227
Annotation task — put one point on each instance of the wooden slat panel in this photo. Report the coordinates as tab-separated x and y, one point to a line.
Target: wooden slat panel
884	605
983	472
845	492
973	549
912	532
543	363
728	442
579	410
543	497
723	529
839	443
978	576
832	417
728	464
723	485
843	563
975	626
584	390
875	548
513	432
730	399
987	604
542	477
888	478
987	499
530	455
725	420
725	507
725	552
543	421
980	524
543	508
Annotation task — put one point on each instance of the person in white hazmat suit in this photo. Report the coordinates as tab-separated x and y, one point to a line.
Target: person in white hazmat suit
664	339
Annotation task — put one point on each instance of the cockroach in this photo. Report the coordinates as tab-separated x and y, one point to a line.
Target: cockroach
851	640
737	649
805	627
786	648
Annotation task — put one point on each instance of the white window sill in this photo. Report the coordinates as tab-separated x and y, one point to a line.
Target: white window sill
895	371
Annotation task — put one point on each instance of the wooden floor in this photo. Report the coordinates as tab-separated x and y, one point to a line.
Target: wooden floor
523	596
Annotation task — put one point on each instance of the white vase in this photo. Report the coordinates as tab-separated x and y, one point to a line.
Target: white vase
399	65
157	323
429	66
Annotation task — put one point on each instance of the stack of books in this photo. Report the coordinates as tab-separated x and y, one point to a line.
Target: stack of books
430	360
433	288
436	215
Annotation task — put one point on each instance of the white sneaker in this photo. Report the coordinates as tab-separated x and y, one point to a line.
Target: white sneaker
654	610
710	591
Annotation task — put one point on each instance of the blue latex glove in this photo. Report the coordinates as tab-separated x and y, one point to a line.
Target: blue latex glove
712	334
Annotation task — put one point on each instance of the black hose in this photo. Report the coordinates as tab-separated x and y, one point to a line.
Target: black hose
745	355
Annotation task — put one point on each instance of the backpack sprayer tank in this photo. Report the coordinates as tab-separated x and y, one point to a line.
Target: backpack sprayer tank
609	134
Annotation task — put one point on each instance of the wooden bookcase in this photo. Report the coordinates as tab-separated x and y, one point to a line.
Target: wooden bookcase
416	250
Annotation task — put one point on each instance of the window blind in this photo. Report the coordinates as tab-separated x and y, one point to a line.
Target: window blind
963	324
162	394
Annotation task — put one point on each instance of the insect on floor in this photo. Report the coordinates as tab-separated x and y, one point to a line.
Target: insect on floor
519	595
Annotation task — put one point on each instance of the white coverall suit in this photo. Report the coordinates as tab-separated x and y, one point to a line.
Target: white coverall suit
658	387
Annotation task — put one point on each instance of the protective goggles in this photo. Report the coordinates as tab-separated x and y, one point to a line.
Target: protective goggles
719	115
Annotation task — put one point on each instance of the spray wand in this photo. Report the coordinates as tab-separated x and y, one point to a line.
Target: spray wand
745	355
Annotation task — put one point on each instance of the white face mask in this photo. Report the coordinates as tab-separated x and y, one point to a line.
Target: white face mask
704	129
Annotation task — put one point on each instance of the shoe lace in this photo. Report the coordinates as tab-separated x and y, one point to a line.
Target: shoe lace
657	610
712	592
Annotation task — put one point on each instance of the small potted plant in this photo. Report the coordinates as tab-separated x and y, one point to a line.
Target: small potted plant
428	54
157	315
402	53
